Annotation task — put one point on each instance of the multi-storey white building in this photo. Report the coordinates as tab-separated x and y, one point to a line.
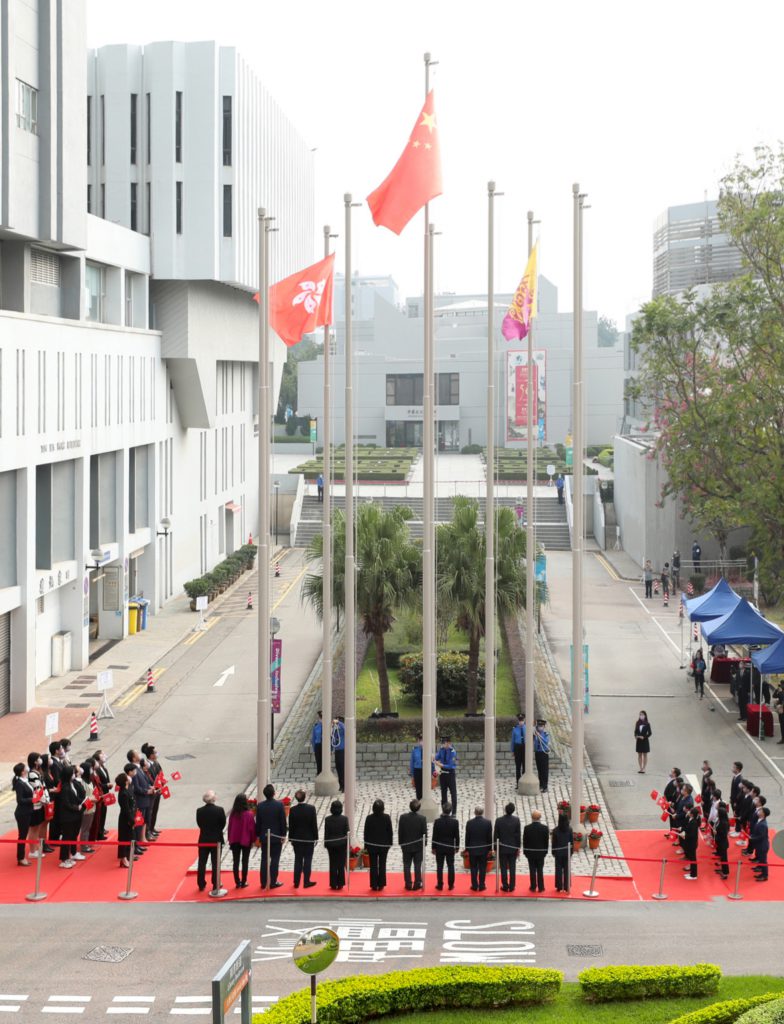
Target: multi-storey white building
128	335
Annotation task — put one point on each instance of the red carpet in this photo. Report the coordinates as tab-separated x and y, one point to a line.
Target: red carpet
162	876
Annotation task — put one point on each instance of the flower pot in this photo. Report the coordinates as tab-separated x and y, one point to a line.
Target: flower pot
365	860
286	809
353	862
578	845
582	817
593	817
466	861
594	843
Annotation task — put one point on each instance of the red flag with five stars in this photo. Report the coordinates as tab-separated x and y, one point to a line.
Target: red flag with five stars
416	177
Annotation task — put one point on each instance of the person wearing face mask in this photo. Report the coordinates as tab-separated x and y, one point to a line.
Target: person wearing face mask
71	800
102	784
642	735
23	811
88	817
142	791
127	814
37	822
154	771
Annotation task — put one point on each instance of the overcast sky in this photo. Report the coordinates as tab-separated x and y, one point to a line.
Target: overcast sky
644	104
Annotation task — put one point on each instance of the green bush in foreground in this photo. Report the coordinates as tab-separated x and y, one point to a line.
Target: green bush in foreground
773	1013
353	1000
605	984
725	1012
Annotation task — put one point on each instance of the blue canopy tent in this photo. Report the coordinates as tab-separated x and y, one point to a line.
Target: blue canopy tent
719	601
743	625
771	660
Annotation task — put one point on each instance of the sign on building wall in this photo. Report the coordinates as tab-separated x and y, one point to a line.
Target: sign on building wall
517	395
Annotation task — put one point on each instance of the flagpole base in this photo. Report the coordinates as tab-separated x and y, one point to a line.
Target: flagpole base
526	787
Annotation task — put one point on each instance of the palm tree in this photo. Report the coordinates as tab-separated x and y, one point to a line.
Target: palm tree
389	567
461	576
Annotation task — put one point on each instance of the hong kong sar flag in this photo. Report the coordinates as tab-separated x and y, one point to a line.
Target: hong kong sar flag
301	303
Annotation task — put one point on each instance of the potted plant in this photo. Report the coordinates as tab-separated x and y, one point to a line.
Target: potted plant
594	810
253	804
353	857
577	839
564	807
286	801
196	588
212	585
466	861
365	858
582	814
594	838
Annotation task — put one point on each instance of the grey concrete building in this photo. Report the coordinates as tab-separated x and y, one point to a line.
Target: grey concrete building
691	248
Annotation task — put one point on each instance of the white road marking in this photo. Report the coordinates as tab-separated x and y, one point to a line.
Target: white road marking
128	1009
655	621
224	676
10	1007
775	767
65	1004
126	1004
133	999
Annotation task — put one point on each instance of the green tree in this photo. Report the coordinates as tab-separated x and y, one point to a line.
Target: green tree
461	551
305	351
389	568
607	332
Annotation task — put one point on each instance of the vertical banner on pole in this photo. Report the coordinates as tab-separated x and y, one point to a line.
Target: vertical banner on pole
276	660
586	688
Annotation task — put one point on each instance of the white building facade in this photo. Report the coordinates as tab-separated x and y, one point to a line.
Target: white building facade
128	335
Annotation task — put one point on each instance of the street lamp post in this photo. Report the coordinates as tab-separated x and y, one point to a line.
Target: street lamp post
276	486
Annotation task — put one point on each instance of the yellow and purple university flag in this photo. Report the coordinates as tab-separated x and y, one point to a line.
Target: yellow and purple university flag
517	322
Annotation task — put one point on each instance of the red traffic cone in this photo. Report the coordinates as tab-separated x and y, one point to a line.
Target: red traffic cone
656	586
277	569
249	606
250	538
150	682
93	727
666	599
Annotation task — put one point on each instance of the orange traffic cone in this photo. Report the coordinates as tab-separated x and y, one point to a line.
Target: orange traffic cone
249	606
150	682
93	727
277	569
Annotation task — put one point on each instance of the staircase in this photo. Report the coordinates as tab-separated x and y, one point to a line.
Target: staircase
552	531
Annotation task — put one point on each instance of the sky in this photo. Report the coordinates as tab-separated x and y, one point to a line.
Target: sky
645	105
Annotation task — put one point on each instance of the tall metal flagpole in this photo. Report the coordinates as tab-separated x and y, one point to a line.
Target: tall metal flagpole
429	807
490	524
528	785
350	573
263	705
578	517
326	783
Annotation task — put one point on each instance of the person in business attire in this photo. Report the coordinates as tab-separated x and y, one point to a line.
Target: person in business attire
211	820
154	771
562	846
721	838
83	774
542	754
415	766
126	804
23	812
642	736
241	836
56	763
517	746
270	825
411	836
536	842
303	836
447	762
102	784
335	840
71	800
316	737
338	745
735	784
670	792
507	839
696	556
143	791
761	841
698	668
446	841
479	843
378	839
689	833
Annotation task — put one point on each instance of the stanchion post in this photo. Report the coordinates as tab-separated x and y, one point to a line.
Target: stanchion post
348	862
568	870
35	897
313	1016
129	894
661	895
497	858
267	858
591	893
424	861
218	892
735	895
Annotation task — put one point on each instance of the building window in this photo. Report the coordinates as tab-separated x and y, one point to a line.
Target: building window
148	206
148	128
227	211
103	130
134	113
178	208
26	107
448	389
134	193
44	267
178	127
89	199
89	130
128	299
227	131
94	292
103	200
404	389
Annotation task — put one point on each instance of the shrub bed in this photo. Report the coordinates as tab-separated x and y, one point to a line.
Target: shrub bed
727	1011
773	1013
404	730
353	1000
451	678
604	984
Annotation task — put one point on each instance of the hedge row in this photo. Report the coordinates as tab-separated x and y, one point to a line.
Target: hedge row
353	1000
405	730
606	984
773	1013
725	1012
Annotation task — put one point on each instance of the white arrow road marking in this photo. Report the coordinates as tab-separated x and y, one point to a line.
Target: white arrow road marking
224	676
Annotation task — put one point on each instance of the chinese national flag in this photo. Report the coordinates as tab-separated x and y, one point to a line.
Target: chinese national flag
416	177
301	303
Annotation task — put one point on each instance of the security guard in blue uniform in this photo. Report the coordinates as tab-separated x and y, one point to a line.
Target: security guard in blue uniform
542	753
338	744
447	760
415	765
517	746
315	742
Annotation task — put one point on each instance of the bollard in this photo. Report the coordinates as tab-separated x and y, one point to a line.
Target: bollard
219	891
592	892
129	894
736	894
34	897
661	895
313	1015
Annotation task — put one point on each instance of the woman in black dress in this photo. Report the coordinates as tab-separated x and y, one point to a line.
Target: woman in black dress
23	811
721	835
562	847
126	821
335	836
378	840
642	734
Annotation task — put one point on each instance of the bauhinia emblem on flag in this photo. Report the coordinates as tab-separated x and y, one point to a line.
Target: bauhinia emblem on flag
302	302
416	177
517	322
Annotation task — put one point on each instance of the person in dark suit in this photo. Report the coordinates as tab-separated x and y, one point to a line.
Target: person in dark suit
126	805
689	833
303	834
562	845
271	830
507	838
446	842
23	812
761	841
671	790
378	839
721	836
479	842
642	737
411	836
211	820
536	842
335	840
71	800
735	784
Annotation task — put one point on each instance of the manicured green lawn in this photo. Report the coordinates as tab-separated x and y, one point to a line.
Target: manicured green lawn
570	1008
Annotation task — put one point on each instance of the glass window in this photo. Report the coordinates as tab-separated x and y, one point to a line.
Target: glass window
148	205
227	131
148	123
227	211
94	292
134	112
89	199
404	389
178	127
128	299
178	208
134	205
26	107
89	130
103	130
448	389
